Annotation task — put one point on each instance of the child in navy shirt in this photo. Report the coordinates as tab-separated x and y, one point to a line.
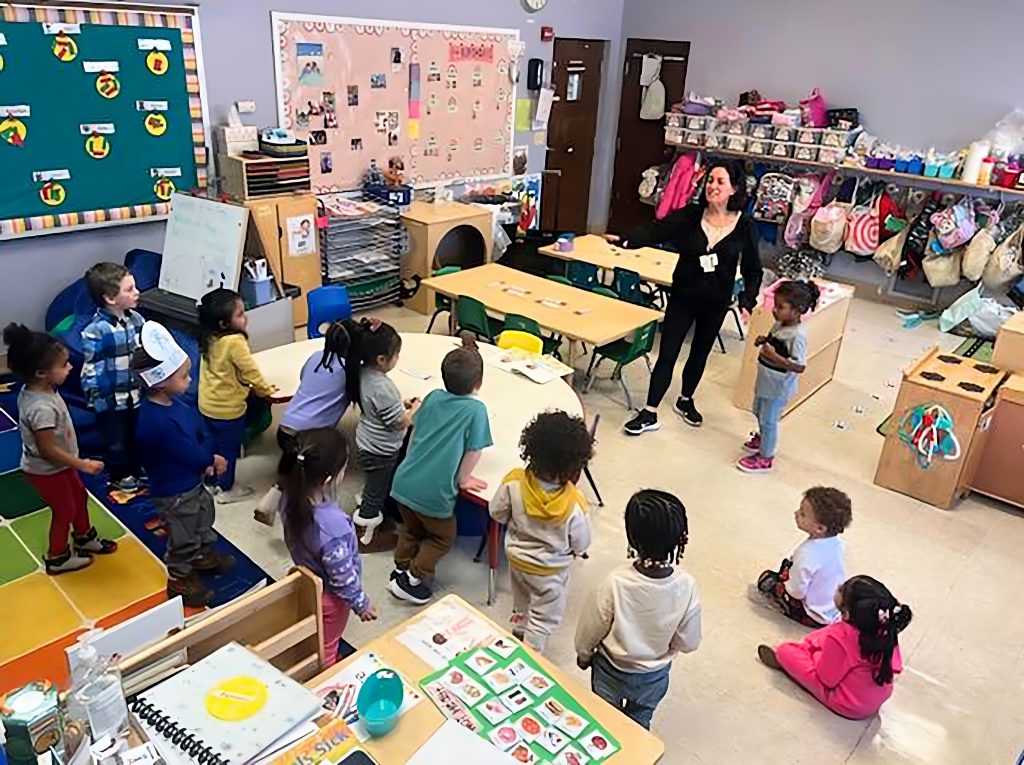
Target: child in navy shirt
178	455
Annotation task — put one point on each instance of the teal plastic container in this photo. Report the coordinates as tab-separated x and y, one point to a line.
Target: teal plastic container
379	700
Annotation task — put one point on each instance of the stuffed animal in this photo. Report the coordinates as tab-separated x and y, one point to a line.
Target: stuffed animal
395	174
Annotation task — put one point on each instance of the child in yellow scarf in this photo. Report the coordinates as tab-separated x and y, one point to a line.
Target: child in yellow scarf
547	523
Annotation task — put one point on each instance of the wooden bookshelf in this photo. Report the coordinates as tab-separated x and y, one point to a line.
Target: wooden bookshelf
246	179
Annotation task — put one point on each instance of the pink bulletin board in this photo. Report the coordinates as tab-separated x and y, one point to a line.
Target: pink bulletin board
357	90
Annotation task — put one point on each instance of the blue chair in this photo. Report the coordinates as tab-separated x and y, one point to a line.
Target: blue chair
582	275
73	300
629	287
326	304
734	309
145	267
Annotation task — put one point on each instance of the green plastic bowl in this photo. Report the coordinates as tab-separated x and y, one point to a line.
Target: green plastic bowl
379	700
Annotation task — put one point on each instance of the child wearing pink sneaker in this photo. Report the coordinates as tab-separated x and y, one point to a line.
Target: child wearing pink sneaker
849	666
783	356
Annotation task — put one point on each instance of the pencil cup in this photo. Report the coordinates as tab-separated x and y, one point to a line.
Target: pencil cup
379	700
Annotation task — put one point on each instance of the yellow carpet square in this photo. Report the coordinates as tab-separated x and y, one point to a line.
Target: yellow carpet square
36	613
115	581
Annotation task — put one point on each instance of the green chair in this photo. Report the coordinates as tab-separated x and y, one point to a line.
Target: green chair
442	303
629	287
471	316
524	324
560	280
623	353
582	275
605	292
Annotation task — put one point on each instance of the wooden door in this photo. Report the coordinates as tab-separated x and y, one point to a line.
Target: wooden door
641	143
572	129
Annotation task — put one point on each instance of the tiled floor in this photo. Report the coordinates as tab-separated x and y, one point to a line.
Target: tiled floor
959	700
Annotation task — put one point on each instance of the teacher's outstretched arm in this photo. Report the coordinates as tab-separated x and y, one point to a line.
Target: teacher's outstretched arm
655	232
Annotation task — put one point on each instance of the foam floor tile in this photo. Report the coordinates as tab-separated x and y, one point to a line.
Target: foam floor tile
34	529
44	614
17	497
114	582
15	560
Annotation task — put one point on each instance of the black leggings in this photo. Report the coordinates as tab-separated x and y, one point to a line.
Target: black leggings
682	313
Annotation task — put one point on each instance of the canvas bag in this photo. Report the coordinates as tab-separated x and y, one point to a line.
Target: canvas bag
828	228
890	252
1004	264
955	225
808	192
862	229
814	110
942	270
977	253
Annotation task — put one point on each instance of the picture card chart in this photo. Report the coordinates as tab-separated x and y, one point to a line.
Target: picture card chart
359	90
500	693
101	115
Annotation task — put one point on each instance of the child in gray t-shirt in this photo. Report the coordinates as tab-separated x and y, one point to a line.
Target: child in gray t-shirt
384	421
782	357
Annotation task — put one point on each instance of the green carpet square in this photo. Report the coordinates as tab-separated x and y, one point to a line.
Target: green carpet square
15	560
17	497
34	529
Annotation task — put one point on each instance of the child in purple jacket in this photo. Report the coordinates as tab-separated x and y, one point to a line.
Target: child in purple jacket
319	534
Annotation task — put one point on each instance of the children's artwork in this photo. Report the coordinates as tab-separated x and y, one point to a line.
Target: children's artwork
339	693
310	59
411	69
326	163
927	430
318	138
527	190
519	160
301	235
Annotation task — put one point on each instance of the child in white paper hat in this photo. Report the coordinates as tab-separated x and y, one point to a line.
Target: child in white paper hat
178	455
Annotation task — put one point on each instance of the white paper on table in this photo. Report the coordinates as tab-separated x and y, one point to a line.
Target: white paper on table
453	743
458	631
545	99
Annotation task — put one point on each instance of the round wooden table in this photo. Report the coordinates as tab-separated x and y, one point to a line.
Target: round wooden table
512	400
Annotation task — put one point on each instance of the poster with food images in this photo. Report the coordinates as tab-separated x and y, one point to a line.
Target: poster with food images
504	696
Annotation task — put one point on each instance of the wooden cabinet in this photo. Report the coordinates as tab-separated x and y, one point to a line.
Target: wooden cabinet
1009	349
294	254
999	466
824	327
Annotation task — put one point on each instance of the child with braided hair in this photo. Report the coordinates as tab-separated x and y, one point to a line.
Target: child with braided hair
849	666
643	613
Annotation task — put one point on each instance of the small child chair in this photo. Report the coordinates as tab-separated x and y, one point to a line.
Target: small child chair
734	309
442	303
471	316
526	324
326	304
514	338
623	353
629	287
582	275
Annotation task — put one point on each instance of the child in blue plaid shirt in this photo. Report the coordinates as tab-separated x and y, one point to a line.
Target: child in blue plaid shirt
108	344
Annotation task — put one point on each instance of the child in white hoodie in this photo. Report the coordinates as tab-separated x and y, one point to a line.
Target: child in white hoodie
546	519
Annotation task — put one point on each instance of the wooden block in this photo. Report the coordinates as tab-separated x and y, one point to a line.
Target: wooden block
1009	348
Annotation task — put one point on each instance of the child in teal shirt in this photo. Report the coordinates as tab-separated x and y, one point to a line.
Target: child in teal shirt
449	432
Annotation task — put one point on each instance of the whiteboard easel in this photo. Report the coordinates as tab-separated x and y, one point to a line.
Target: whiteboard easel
203	246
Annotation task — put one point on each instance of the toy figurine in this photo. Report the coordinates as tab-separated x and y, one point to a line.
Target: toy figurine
395	174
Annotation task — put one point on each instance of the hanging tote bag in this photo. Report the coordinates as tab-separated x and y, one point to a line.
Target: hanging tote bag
889	254
828	228
977	254
955	225
1004	265
943	270
814	110
862	229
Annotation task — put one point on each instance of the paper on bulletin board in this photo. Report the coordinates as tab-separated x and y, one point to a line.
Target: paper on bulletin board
545	101
524	114
301	236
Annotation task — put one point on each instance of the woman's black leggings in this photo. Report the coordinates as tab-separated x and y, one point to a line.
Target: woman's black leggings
682	313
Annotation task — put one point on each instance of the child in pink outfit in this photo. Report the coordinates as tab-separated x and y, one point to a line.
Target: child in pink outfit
849	666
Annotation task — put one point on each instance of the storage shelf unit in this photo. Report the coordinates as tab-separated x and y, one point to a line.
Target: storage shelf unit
246	178
361	247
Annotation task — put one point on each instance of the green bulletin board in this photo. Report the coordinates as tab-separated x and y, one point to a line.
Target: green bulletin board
100	116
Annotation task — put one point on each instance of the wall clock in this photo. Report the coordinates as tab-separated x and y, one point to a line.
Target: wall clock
532	6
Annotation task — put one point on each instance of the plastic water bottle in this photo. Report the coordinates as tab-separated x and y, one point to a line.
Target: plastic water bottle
87	658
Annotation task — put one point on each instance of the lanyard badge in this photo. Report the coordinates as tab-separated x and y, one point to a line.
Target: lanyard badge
709	262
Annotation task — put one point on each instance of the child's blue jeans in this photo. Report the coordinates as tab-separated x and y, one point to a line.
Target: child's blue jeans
635	694
768	412
227	442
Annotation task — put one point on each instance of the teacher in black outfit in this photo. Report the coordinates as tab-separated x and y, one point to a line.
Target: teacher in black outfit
716	240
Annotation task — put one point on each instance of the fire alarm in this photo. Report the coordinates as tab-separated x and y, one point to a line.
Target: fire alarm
547	34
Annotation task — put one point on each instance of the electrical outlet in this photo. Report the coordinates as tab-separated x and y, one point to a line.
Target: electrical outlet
246	107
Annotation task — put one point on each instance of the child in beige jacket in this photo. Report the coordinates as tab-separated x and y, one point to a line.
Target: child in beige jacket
547	523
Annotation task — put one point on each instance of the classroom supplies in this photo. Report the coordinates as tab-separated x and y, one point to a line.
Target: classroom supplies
227	708
521	710
31	717
328	744
444	633
379	700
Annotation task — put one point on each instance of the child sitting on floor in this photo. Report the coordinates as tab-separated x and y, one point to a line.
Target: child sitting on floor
450	431
179	456
783	356
546	520
849	666
384	421
804	587
643	613
324	394
319	534
49	454
227	374
108	343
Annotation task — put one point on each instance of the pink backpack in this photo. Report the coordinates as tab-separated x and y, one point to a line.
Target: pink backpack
680	187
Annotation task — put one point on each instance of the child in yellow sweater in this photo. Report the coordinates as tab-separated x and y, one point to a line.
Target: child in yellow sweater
227	375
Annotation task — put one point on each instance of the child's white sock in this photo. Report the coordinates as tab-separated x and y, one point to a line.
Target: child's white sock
266	508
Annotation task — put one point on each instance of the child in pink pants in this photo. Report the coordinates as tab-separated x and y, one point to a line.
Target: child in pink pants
849	666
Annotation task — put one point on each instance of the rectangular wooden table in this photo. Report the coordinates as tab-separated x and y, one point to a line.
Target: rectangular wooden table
653	265
639	746
575	314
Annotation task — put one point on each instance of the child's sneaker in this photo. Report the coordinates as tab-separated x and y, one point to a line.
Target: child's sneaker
193	592
235	494
267	507
407	587
644	421
368	525
755	463
213	561
69	561
91	544
753	444
128	483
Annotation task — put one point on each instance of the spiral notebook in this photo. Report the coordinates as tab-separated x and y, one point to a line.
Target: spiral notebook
224	710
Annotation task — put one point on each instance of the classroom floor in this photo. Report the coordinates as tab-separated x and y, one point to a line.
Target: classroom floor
958	699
